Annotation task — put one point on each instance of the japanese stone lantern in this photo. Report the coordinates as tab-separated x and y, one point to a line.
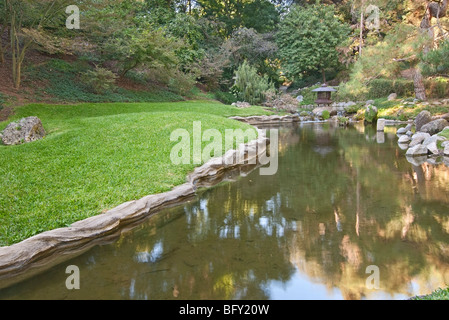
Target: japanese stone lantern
324	95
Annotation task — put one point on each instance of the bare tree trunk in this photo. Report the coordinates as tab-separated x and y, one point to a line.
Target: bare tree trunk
361	28
420	90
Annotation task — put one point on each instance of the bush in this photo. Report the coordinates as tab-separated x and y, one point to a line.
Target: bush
181	83
99	80
437	88
249	86
325	114
309	97
370	114
225	97
360	115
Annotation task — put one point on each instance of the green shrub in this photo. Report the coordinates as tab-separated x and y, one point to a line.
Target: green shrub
325	115
100	80
225	97
360	115
437	88
309	97
249	86
181	83
379	88
370	114
343	121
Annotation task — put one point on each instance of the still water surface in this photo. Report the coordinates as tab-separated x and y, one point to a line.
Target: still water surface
342	200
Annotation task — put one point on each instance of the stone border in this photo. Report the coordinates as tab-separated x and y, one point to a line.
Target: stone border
42	251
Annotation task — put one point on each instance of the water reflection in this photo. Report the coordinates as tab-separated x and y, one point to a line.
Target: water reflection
341	200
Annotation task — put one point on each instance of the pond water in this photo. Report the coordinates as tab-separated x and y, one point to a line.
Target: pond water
342	200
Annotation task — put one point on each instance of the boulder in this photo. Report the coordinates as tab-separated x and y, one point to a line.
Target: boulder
434	126
432	147
392	96
422	118
418	138
404	139
25	130
402	130
240	104
416	151
446	150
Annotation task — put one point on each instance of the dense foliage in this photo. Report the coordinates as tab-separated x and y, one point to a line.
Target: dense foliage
175	44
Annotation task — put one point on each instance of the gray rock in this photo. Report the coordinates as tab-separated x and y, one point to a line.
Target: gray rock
299	98
434	126
368	102
401	130
445	143
422	118
446	150
432	139
418	138
240	104
404	139
409	133
432	147
416	151
26	130
392	96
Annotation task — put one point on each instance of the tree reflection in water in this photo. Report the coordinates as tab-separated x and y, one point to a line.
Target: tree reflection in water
339	203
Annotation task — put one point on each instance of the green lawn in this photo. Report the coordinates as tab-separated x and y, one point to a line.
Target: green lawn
95	157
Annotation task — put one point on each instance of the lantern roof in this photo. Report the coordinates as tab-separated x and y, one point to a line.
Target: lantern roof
324	88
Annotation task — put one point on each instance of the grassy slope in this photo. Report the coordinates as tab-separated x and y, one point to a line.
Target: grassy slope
95	157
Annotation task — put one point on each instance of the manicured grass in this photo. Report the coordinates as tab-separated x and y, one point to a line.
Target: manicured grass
439	294
95	157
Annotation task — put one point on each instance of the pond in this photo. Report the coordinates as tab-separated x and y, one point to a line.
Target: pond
341	202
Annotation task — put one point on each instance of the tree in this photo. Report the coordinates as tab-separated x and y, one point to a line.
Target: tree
24	17
249	86
260	15
308	38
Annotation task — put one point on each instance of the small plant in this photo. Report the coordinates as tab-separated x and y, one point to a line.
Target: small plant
343	121
304	114
360	115
370	114
325	115
100	80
